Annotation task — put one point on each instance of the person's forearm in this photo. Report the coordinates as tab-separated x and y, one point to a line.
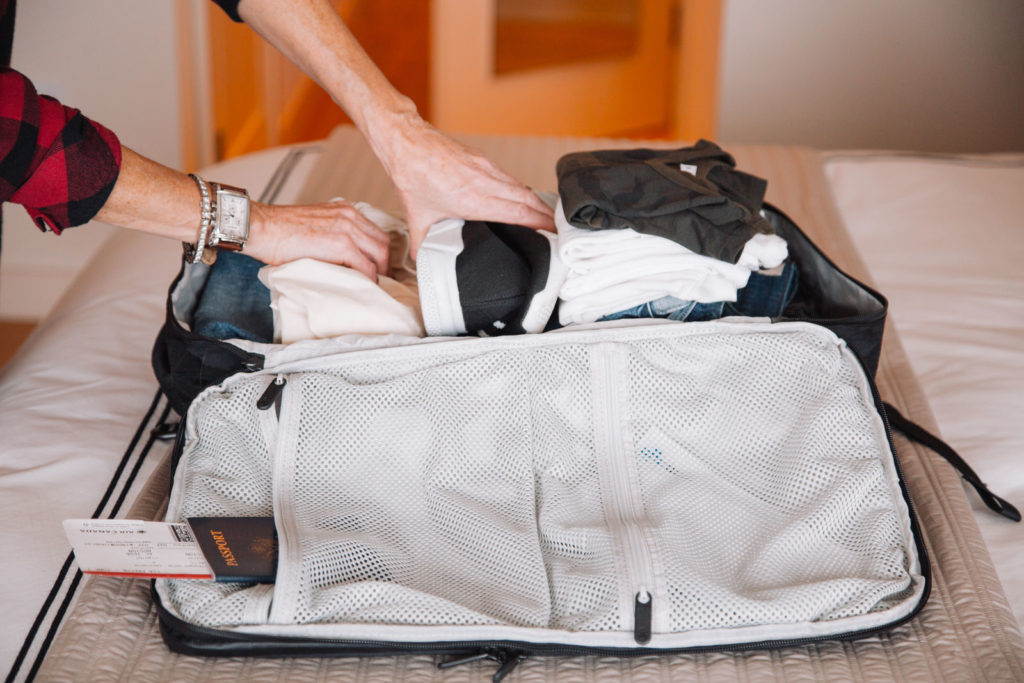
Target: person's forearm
161	201
152	198
312	35
435	176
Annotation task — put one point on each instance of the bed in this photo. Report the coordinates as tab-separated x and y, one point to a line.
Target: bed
84	430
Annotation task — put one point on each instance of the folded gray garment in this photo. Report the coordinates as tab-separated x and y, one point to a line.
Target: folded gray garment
693	196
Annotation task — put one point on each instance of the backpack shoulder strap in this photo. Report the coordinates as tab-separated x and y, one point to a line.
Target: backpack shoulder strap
915	432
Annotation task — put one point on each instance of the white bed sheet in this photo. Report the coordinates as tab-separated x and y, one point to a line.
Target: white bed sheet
70	402
943	238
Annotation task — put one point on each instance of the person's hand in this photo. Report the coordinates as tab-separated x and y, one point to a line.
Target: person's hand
439	178
335	232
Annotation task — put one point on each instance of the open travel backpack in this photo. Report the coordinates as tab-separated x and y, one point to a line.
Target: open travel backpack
621	488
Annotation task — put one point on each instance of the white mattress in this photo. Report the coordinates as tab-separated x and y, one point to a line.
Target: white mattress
944	240
70	400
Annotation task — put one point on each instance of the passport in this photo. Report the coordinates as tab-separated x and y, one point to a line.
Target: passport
238	549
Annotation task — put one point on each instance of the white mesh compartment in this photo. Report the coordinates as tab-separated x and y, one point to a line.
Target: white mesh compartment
432	511
773	441
424	499
228	475
476	486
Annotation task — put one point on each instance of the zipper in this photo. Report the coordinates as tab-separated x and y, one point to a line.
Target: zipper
915	526
627	513
507	658
188	638
282	477
260	600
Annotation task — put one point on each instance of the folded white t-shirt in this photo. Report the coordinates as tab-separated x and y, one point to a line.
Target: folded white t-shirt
611	270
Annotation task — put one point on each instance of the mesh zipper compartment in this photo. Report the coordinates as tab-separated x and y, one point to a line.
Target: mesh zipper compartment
735	476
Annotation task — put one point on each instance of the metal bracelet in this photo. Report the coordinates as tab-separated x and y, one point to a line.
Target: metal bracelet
205	219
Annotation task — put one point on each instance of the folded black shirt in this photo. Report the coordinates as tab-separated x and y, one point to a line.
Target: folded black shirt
707	205
488	279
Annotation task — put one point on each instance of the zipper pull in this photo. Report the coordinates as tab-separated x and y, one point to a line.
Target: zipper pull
468	659
165	431
272	393
507	661
642	617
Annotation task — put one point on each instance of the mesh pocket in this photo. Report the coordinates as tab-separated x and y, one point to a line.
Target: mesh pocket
766	480
228	475
461	493
414	498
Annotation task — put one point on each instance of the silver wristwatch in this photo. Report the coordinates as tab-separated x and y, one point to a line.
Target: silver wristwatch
230	228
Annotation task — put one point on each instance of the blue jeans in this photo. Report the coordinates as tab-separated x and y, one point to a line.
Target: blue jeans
672	308
764	296
234	304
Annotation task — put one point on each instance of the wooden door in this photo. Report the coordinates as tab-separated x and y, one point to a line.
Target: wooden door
259	99
574	67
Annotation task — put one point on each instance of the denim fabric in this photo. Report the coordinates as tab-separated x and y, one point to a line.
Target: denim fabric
235	304
764	296
672	308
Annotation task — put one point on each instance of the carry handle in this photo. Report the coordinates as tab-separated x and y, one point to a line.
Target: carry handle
917	433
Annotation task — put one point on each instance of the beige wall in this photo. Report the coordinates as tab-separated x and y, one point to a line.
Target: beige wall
936	75
114	60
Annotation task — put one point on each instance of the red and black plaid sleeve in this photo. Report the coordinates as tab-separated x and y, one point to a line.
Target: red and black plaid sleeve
55	162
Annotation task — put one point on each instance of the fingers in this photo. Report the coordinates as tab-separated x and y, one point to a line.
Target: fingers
507	197
519	210
527	214
481	192
367	236
357	260
438	177
334	232
418	228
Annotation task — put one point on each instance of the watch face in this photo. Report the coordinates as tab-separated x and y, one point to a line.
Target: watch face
232	217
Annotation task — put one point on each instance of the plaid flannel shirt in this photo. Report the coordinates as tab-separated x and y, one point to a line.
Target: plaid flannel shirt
55	162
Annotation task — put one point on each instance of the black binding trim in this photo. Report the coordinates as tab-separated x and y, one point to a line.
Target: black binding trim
916	432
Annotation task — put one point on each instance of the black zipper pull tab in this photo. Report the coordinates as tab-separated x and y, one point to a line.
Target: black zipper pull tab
165	431
272	393
509	659
642	617
467	659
